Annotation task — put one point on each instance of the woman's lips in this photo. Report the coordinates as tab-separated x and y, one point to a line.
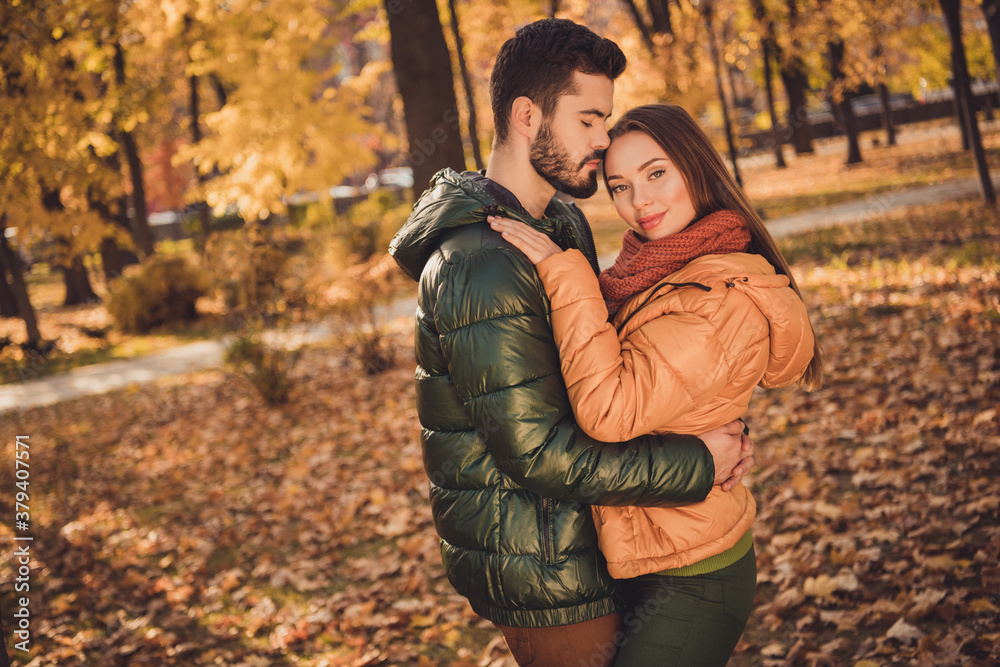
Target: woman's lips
647	222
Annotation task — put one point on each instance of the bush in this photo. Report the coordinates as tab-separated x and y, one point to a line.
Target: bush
367	227
373	350
355	295
373	222
259	272
266	367
165	289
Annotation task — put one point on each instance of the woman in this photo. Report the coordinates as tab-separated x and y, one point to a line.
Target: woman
702	309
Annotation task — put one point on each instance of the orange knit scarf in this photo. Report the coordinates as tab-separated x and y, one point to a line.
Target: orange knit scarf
641	263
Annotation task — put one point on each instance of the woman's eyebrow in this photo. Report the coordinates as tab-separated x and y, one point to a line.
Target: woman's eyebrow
649	162
641	166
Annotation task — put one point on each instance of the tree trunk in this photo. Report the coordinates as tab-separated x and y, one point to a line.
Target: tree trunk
4	658
640	24
422	65
779	155
193	107
140	223
960	116
714	52
794	80
75	278
851	128
991	10
887	124
835	55
220	89
836	112
470	101
113	257
952	14
204	215
770	48
8	304
77	282
10	262
659	12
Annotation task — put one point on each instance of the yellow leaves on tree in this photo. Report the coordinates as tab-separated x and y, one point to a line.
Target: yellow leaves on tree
292	122
66	101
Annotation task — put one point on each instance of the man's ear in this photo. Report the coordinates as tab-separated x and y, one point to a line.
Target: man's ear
525	117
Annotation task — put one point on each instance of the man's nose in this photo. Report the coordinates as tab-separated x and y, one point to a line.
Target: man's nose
602	140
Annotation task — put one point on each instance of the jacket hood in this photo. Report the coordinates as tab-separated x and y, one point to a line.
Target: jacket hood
454	201
450	202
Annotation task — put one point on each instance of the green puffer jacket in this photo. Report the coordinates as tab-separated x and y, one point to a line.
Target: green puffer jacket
511	476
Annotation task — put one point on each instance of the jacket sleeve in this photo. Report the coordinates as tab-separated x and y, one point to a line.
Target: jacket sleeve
620	389
492	319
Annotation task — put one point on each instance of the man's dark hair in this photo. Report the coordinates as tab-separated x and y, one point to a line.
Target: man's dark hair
539	62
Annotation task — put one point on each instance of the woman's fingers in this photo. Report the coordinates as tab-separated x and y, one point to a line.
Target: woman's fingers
535	245
513	227
516	233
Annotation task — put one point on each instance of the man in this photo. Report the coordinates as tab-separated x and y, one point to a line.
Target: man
511	474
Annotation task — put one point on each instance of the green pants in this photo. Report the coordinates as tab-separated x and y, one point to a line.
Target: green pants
687	621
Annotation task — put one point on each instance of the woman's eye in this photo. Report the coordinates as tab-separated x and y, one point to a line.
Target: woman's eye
618	189
657	173
586	124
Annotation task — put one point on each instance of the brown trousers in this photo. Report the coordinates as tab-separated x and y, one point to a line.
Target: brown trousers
589	644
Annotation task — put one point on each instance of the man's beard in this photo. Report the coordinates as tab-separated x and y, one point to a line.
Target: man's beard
553	163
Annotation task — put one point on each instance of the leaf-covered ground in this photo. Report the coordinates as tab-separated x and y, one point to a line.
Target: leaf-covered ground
184	523
878	530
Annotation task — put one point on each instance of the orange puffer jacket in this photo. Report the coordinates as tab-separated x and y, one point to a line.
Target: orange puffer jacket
681	357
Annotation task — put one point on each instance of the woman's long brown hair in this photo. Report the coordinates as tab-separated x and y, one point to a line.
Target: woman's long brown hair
711	187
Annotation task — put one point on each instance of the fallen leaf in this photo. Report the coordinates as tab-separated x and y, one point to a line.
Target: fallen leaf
775	650
984	417
924	602
820	586
904	632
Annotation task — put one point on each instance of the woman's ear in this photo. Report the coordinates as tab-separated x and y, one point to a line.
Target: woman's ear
525	117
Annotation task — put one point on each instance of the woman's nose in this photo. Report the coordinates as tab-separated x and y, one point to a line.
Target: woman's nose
640	198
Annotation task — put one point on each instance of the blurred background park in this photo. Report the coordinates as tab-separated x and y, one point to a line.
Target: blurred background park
176	171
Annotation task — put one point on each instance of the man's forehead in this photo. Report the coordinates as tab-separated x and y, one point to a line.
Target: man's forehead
591	95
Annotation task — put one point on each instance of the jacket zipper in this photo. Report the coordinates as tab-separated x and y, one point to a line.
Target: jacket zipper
546	547
657	292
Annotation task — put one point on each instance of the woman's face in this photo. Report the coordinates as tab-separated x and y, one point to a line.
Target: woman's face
648	189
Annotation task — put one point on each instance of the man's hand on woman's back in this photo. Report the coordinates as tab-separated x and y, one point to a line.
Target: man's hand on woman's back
733	452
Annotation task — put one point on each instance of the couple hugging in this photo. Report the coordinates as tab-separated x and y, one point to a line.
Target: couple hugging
581	428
